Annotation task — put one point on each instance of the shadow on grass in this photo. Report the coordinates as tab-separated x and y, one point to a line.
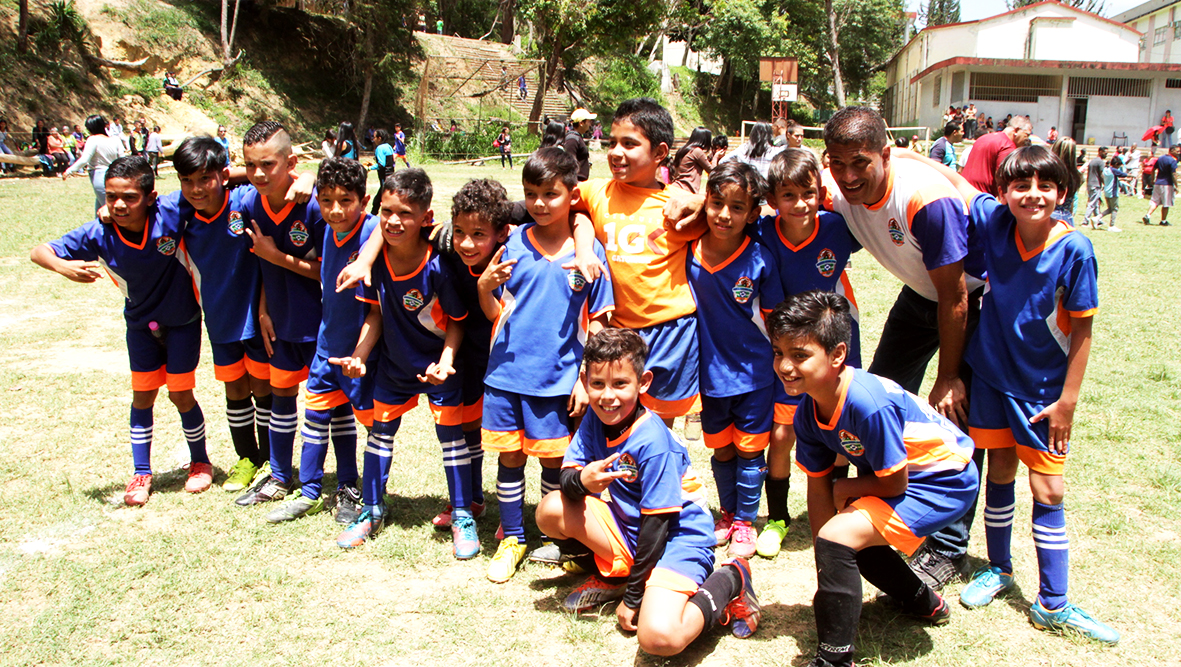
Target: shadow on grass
413	511
172	481
890	636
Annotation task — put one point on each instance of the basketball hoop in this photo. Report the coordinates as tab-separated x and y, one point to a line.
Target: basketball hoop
783	74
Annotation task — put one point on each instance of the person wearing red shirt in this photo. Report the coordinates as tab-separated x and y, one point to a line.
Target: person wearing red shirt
991	149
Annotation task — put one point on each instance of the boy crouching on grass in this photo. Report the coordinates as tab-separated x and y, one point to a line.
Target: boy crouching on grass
160	308
915	471
652	543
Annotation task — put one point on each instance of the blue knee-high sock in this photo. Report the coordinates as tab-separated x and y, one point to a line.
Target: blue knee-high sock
726	479
457	464
379	454
1053	554
550	479
193	424
510	493
749	487
283	422
141	440
475	448
344	444
315	450
999	504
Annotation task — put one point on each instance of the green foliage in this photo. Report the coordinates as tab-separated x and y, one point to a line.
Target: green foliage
618	79
164	29
941	12
146	87
474	143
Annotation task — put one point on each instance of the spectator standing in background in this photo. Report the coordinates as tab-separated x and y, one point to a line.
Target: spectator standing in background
989	151
504	142
100	151
1052	135
970	122
153	147
943	150
1065	149
346	141
1094	171
779	132
1166	129
522	89
693	159
1165	169
758	150
794	134
222	139
575	145
329	144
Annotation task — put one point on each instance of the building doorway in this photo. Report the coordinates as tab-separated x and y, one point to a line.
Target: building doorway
1078	124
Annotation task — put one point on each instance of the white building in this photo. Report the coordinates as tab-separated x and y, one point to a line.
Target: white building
1061	66
1160	23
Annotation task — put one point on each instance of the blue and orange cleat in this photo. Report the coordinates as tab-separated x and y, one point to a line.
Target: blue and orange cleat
743	612
366	527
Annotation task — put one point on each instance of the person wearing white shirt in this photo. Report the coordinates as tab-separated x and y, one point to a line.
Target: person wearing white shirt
100	151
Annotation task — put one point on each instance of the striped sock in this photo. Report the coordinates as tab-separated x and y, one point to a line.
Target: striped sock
193	424
510	493
475	448
457	464
999	505
1053	554
315	450
141	440
748	487
240	417
344	444
283	422
550	479
379	454
726	479
262	422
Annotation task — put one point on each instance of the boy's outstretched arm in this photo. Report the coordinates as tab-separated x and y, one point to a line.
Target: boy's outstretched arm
361	268
265	249
75	269
650	543
579	399
585	260
845	491
439	371
354	366
1061	412
966	190
266	326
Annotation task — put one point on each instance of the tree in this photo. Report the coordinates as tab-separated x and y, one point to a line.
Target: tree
22	40
228	36
941	12
1093	6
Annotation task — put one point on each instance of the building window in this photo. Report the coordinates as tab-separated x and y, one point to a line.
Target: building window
994	87
1159	36
1089	86
1176	30
937	91
1172	83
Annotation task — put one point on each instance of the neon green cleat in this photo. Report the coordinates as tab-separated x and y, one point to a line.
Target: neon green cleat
508	557
771	539
241	475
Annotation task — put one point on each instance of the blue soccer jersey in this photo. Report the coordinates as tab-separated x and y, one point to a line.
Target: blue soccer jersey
216	251
545	311
293	301
155	286
659	478
477	330
343	314
415	310
1021	344
732	300
816	264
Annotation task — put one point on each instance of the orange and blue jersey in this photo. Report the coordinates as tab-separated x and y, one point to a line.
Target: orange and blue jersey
647	262
477	329
343	314
819	263
1021	344
545	311
415	311
155	286
293	301
658	478
217	252
733	299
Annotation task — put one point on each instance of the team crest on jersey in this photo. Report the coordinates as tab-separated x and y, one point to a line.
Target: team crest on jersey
299	234
353	257
412	300
743	290
576	280
237	224
896	233
826	263
166	245
627	465
851	443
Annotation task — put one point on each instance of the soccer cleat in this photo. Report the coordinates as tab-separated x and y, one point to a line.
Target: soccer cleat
264	491
986	584
1164	223
241	475
442	520
743	612
366	527
465	544
1113	228
300	507
138	490
935	569
771	539
508	557
742	540
200	477
1146	220
1071	619
348	505
592	593
547	553
723	528
940	616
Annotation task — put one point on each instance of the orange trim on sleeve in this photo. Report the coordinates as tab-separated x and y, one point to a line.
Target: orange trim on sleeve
502	441
619	562
447	415
181	381
785	414
891	470
230	372
281	379
148	380
720	439
751	442
992	438
324	402
926	194
663	510
669	409
888	524
371	301
1079	314
673	581
546	448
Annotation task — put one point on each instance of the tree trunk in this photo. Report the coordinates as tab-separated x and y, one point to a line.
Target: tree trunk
543	79
688	45
22	40
508	23
834	55
229	32
368	91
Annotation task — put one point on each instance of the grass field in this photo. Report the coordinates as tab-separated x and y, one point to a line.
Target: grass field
195	580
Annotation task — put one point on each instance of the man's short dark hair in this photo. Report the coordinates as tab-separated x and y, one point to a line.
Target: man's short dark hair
339	172
951	128
817	315
262	132
200	153
652	119
485	198
612	344
797	166
856	126
549	163
134	168
743	175
1029	160
411	185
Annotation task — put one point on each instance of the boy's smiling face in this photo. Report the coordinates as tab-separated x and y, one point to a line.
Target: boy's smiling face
550	202
797	205
127	203
614	389
205	190
341	208
402	220
727	212
475	239
632	157
803	366
1032	200
269	165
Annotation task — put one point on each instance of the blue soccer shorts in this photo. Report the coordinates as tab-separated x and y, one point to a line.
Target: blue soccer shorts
328	387
999	421
392	400
906	520
785	404
167	357
743	420
232	361
534	425
290	362
673	360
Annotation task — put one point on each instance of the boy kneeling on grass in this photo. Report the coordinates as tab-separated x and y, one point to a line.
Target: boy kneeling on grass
915	471
652	542
160	308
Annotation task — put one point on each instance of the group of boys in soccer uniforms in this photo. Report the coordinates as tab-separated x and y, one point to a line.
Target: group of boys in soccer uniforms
513	320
